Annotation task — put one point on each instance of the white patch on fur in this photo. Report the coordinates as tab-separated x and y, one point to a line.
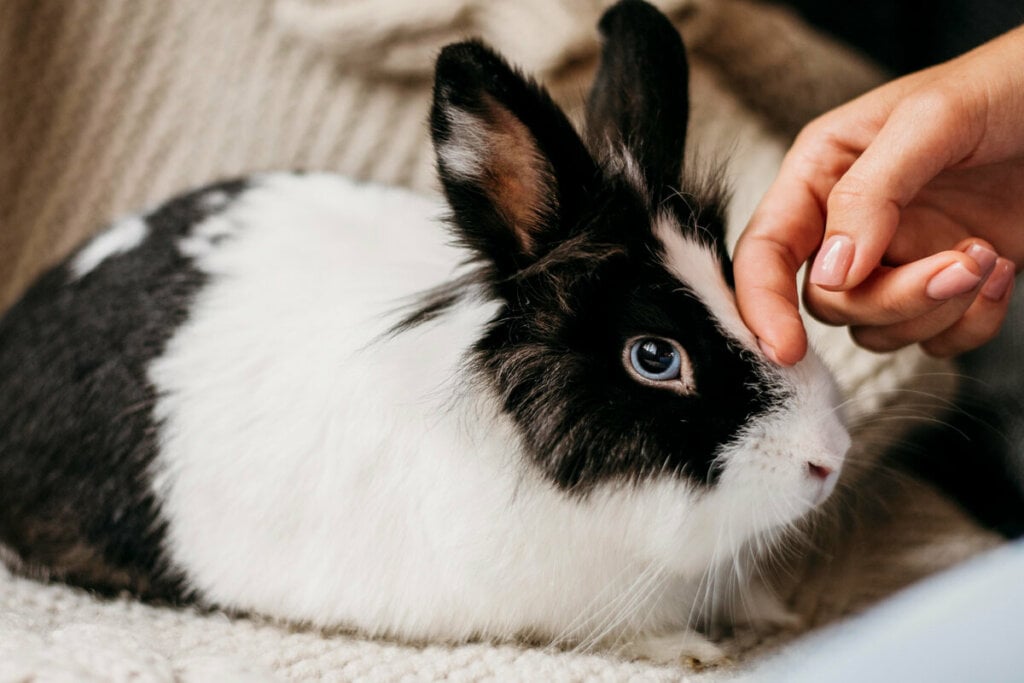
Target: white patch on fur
121	237
205	236
214	201
778	447
698	267
461	154
618	160
313	468
766	481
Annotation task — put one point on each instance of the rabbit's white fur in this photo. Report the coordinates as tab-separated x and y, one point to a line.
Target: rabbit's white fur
402	506
697	267
122	236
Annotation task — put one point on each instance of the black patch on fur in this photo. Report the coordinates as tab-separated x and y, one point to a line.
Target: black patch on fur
435	302
639	106
555	356
595	277
639	102
472	79
77	433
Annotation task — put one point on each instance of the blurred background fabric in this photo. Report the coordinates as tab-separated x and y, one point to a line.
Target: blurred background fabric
113	105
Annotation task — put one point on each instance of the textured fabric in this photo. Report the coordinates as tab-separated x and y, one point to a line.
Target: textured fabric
111	105
50	633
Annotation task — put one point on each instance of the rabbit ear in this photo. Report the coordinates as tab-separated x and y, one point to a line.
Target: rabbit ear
513	168
639	104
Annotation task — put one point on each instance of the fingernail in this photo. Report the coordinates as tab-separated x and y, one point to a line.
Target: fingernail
769	351
951	281
983	256
999	281
833	261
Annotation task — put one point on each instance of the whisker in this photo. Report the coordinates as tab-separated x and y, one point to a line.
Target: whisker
585	615
633	596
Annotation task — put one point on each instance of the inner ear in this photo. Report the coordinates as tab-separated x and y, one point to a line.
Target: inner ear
497	152
515	172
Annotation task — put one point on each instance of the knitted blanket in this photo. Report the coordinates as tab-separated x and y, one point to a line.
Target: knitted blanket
112	105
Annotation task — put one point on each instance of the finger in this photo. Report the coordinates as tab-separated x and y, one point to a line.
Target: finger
766	295
925	327
981	322
783	232
893	295
920	138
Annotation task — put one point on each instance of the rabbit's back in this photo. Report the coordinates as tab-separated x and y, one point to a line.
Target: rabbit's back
236	322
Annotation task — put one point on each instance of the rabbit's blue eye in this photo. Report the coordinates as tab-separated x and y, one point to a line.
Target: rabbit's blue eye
655	359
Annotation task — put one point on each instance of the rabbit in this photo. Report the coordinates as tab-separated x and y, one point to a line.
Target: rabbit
296	395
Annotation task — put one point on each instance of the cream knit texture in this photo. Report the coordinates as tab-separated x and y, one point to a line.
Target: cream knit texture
112	105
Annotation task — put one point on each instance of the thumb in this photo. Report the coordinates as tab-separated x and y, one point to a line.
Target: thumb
925	134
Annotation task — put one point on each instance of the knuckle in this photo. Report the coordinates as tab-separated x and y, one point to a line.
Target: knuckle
932	100
938	105
942	110
853	193
848	192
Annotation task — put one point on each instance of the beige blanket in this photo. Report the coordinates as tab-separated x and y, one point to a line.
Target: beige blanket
115	104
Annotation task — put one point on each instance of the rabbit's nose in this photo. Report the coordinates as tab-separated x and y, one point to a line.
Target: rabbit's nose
826	478
819	471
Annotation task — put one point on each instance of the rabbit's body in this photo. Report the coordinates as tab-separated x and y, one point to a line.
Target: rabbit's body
296	395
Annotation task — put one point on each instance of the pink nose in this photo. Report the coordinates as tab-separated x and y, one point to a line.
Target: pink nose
819	471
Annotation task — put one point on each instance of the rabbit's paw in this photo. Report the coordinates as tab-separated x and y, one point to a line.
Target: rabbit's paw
680	647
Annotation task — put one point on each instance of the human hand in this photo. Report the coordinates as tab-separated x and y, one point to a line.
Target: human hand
913	196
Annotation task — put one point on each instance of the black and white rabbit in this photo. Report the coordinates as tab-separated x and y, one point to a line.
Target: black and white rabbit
297	395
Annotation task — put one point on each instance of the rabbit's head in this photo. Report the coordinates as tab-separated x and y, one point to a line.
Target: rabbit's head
618	351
